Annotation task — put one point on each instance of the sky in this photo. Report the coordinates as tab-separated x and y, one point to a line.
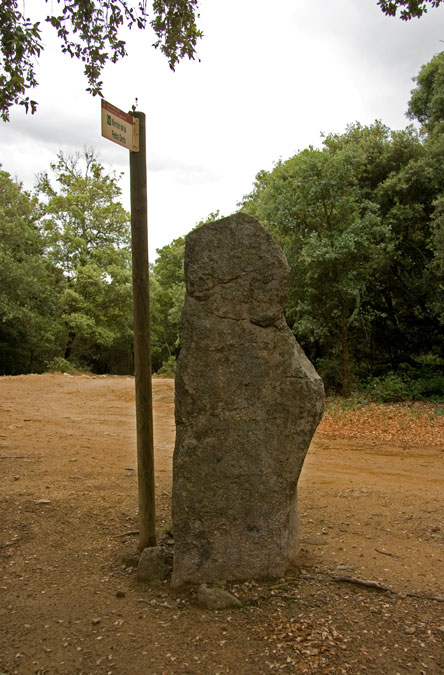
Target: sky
271	79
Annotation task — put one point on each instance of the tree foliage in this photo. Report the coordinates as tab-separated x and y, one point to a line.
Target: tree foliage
30	329
167	293
408	9
87	233
427	101
334	238
437	263
355	221
91	31
20	45
361	221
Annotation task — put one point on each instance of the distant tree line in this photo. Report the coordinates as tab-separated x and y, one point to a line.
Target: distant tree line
362	224
361	221
65	276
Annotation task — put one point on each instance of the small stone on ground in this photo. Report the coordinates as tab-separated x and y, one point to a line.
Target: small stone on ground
216	598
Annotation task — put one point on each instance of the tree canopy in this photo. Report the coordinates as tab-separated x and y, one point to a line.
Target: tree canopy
361	224
408	9
30	286
65	271
87	234
334	238
361	220
91	31
427	101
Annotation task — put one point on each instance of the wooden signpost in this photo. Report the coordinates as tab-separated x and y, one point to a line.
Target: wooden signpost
128	130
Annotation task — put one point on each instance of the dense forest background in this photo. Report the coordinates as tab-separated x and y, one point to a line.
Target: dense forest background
361	221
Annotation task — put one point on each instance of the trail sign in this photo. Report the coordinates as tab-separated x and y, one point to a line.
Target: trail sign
125	129
120	127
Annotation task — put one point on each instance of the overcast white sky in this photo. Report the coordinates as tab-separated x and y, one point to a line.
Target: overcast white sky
272	77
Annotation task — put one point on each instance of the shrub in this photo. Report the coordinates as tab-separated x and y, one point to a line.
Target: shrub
331	374
388	388
168	366
430	385
60	365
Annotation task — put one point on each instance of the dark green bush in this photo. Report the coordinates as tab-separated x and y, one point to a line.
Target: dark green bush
424	384
60	365
430	386
387	388
168	366
331	374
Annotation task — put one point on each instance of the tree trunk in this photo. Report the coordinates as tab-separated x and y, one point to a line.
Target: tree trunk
346	374
68	346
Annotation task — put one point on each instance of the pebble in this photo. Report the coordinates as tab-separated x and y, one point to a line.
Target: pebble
216	598
410	630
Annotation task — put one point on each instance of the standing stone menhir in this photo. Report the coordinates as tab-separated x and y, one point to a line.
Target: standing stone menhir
247	404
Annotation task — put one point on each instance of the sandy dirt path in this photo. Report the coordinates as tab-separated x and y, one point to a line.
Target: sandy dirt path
70	602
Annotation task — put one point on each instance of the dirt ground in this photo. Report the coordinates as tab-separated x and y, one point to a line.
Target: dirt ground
371	510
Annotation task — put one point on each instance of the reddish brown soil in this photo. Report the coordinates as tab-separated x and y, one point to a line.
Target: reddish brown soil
371	508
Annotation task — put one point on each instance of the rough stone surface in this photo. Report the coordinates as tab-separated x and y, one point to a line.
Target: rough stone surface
154	566
247	404
216	598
